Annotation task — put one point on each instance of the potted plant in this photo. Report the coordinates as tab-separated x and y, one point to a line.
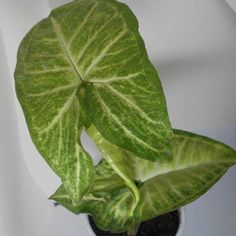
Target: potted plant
85	67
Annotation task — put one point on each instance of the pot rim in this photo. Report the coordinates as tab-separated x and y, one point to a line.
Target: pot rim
179	232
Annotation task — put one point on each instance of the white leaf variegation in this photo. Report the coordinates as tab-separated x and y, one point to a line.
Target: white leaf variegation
198	162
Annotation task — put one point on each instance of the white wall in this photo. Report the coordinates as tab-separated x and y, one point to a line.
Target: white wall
24	209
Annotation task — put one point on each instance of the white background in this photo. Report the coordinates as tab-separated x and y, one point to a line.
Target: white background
193	45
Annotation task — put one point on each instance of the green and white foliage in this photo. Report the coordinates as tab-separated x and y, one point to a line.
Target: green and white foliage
86	64
85	67
198	162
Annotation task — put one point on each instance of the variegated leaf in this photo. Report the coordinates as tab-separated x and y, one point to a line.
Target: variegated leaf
198	163
109	201
123	94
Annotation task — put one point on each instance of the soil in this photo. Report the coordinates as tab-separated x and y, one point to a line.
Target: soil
164	225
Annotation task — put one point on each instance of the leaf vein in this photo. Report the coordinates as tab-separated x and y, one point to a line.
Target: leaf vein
137	108
63	110
56	90
127	131
93	38
116	78
104	52
83	23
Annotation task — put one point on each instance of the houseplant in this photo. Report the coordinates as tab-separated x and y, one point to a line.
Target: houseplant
85	67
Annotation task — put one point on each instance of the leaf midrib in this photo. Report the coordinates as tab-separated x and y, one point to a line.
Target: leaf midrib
189	168
186	200
65	47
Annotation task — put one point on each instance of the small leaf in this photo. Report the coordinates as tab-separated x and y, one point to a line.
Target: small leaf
109	201
64	199
110	211
105	180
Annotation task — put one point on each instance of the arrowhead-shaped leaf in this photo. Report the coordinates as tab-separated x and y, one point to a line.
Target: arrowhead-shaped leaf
197	164
93	46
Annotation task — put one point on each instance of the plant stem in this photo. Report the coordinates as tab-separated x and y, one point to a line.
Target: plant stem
108	152
133	230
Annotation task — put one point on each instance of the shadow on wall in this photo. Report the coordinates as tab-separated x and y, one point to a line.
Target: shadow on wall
214	61
232	4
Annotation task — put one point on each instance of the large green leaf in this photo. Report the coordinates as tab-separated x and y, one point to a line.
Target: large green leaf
124	95
95	45
198	163
86	63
